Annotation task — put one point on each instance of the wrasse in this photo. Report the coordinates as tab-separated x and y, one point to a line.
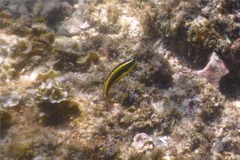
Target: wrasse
116	74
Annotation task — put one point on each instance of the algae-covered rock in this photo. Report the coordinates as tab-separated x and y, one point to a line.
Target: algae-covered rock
34	143
195	30
42	36
76	62
168	107
5	120
55	12
21	54
57	113
86	62
73	26
54	104
21	26
5	19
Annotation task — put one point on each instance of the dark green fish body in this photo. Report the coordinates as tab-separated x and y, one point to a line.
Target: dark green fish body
117	73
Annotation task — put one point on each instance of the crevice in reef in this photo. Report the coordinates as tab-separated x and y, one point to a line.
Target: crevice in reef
230	86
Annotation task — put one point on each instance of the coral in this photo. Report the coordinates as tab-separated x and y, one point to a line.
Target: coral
142	142
214	70
43	73
50	91
6	68
54	105
20	54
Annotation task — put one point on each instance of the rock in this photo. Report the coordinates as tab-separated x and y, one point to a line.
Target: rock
10	100
34	6
72	26
237	104
54	12
5	120
16	8
217	145
142	142
75	24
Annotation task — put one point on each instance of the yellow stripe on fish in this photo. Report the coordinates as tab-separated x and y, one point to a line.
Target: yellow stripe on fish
116	74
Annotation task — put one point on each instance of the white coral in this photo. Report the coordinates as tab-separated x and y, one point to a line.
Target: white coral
142	142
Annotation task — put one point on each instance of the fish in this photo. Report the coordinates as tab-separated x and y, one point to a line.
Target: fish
116	74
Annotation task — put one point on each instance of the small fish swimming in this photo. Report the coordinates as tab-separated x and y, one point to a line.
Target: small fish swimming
116	74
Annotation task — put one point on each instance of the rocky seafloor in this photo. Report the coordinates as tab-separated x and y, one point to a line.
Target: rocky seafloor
180	101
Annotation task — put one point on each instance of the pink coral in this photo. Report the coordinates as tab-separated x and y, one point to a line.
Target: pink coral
214	70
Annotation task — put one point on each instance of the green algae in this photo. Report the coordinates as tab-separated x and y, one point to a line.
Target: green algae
139	120
156	154
81	152
31	144
210	113
22	152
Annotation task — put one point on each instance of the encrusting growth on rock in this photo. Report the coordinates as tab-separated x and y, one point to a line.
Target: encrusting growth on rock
214	70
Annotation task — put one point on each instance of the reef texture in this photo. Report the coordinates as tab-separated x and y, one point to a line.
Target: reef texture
181	100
